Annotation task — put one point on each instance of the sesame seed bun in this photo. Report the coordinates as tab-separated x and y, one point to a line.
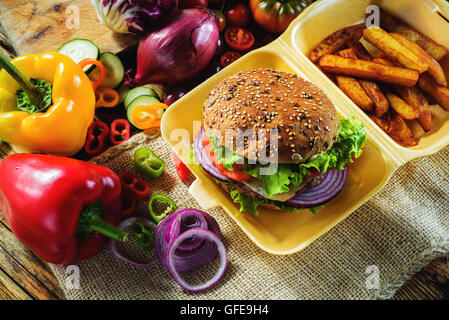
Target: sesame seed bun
305	119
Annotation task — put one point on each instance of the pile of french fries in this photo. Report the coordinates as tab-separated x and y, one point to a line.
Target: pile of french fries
394	85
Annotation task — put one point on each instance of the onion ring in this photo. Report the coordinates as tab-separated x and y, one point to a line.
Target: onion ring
206	235
333	182
126	224
196	248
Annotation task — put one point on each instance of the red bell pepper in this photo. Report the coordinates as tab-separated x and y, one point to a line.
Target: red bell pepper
58	207
128	205
134	187
120	131
97	136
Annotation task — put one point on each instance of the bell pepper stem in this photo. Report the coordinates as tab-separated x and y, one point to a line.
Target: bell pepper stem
91	220
36	96
96	223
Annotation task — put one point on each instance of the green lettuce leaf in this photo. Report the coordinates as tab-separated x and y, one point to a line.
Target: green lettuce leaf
351	138
349	144
278	181
223	155
251	204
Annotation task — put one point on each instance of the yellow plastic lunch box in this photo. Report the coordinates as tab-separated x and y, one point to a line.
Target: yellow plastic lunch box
283	232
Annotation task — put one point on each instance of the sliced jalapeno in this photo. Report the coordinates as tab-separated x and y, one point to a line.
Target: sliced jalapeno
169	206
146	162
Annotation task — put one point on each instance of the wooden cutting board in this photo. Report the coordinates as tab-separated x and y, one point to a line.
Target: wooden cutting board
40	26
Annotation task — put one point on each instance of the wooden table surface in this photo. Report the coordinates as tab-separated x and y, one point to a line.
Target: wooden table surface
22	274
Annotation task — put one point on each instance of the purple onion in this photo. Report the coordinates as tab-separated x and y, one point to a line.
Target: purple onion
190	260
204	160
177	49
333	182
205	235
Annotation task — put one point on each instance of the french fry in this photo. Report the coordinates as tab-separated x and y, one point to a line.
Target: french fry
336	41
347	53
352	88
405	110
369	70
400	131
395	127
373	91
359	50
393	48
383	55
437	92
435	69
382	122
371	88
384	61
415	98
433	48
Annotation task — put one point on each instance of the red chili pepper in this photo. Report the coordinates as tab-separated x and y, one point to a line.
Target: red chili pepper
120	131
58	206
128	205
97	136
134	187
181	168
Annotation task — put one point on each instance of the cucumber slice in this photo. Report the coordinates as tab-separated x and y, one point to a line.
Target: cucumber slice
79	49
114	70
137	92
140	101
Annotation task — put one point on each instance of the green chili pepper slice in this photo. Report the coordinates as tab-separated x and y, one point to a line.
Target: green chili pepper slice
170	207
146	162
143	236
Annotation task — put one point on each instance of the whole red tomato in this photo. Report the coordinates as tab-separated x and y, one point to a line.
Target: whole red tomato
239	39
220	19
276	15
185	4
239	15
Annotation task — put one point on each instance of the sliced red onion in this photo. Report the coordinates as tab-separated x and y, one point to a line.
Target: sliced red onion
203	159
186	261
333	182
124	225
183	222
208	236
184	241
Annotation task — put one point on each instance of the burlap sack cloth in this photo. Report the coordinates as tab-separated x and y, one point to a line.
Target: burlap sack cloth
398	232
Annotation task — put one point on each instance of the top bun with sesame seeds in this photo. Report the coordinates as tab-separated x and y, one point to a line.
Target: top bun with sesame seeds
304	117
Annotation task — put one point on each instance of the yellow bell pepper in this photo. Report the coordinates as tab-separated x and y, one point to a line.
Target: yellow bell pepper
62	128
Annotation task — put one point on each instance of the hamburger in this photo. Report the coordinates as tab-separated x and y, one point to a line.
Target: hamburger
271	138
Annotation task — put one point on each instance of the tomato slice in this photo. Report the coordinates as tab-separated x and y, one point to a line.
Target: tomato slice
313	173
238	38
181	168
229	57
237	174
